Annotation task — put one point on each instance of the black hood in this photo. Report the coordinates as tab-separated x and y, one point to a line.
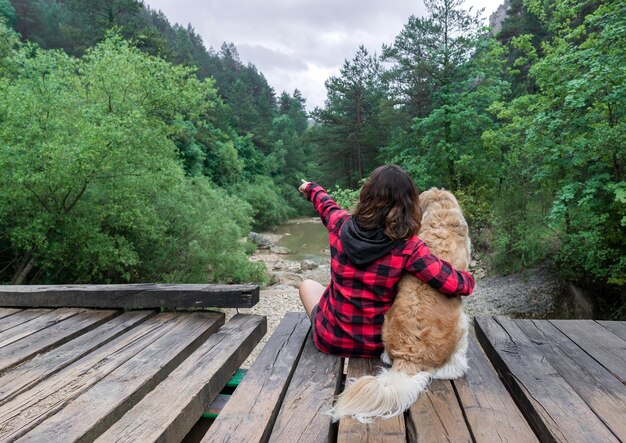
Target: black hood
364	246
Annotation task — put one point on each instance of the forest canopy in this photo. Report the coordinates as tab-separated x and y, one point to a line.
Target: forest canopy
122	159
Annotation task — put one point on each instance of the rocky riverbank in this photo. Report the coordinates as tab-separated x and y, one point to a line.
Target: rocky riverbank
533	294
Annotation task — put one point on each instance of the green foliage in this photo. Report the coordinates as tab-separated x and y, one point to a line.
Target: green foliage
460	76
202	237
269	208
7	12
8	43
92	188
563	146
346	198
349	130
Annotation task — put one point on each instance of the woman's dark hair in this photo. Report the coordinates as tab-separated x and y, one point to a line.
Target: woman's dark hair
389	199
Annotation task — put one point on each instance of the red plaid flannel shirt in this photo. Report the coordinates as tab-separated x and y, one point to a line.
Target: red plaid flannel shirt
349	318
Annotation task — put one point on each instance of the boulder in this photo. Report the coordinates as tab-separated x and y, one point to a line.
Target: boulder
288	278
279	250
308	265
261	241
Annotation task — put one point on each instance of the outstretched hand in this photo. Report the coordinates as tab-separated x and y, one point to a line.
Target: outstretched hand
303	186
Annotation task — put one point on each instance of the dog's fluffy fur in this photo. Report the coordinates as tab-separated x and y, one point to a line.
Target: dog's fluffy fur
425	332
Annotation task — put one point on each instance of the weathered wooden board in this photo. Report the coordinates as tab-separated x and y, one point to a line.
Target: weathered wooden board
6	312
556	412
169	411
352	431
93	412
316	380
19	318
602	392
53	336
130	296
489	410
616	327
28	409
30	327
250	414
436	416
33	371
597	341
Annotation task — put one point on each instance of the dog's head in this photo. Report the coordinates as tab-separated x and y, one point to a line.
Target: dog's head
440	197
444	228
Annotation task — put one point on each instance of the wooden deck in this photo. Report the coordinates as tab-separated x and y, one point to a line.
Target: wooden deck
109	375
553	381
75	374
568	376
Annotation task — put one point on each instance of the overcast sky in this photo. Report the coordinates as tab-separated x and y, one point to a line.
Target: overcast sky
298	43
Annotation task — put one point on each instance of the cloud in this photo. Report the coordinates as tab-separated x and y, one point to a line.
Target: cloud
266	58
297	43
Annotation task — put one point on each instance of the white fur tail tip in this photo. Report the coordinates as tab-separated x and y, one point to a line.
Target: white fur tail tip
388	394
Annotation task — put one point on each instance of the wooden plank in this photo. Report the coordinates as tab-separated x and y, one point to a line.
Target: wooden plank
607	348
30	327
130	296
190	388
6	312
316	380
19	318
51	337
31	407
602	392
616	327
255	403
490	412
353	431
93	412
555	411
19	378
436	416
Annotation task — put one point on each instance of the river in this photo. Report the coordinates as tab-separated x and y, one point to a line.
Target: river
307	239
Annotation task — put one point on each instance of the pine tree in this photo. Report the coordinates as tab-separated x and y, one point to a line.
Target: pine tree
349	131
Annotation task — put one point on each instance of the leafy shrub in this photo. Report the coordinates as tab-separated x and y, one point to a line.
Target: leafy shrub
269	208
344	197
92	188
200	239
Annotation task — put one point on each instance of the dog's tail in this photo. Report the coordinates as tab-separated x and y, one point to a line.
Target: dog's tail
388	394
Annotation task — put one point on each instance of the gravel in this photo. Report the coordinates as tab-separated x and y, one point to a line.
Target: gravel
277	300
530	294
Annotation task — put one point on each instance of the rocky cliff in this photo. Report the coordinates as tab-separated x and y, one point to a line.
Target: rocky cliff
496	19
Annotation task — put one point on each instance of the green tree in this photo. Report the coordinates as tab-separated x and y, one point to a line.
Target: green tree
580	128
446	73
522	32
349	132
567	141
91	184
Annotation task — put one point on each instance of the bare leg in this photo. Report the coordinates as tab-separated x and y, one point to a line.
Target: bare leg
310	294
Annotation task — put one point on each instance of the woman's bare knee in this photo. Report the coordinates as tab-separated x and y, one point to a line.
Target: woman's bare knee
310	294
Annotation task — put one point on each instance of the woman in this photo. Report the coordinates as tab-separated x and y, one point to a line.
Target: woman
369	251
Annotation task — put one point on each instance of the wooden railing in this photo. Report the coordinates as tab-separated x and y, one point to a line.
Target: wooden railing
130	296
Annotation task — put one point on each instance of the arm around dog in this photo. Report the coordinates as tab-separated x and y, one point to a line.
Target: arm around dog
438	273
329	211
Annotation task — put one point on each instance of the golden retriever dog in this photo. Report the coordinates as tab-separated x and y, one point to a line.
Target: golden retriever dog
425	331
